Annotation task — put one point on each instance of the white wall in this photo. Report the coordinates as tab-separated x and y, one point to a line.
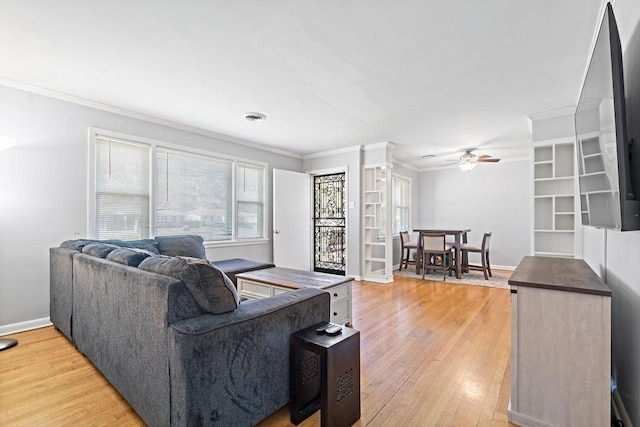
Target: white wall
43	191
615	256
496	198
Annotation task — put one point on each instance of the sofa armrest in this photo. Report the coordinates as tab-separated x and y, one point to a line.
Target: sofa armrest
61	289
234	368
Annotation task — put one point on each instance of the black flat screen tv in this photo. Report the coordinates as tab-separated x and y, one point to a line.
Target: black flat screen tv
607	170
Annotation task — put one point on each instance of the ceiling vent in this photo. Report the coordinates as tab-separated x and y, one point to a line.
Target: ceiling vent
255	117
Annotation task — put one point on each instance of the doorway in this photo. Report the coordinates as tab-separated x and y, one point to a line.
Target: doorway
329	223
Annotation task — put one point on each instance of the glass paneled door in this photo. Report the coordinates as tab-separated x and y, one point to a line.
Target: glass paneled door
329	223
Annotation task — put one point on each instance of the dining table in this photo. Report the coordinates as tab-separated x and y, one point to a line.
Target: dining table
460	236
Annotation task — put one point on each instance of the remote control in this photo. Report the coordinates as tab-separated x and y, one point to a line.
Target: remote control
324	327
333	329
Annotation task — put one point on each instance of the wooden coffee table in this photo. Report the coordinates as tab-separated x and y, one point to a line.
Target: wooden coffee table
277	280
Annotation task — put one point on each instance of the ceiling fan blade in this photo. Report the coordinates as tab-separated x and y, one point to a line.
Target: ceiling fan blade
485	160
484	156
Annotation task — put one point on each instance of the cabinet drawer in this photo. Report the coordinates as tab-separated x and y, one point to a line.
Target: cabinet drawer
254	290
339	292
340	311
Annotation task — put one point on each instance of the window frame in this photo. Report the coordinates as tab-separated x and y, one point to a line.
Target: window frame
154	145
395	229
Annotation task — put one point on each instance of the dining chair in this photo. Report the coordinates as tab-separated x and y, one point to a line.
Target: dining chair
406	249
434	245
483	250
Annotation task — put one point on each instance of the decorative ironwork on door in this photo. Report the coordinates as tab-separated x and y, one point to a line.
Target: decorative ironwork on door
329	224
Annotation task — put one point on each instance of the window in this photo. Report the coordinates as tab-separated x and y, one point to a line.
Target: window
122	191
401	194
218	198
193	195
250	201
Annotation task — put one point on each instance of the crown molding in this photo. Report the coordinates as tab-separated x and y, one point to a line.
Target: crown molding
565	111
377	145
332	152
406	166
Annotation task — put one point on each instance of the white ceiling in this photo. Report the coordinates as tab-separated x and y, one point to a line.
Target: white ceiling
429	76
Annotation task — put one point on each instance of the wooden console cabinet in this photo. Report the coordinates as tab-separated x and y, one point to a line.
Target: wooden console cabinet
274	281
560	344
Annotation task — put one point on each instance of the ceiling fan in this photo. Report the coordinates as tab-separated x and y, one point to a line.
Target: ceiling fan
469	160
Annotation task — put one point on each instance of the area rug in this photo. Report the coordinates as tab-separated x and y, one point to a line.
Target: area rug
500	278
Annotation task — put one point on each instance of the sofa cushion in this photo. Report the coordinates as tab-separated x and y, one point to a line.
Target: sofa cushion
147	244
182	245
76	244
210	287
100	250
129	256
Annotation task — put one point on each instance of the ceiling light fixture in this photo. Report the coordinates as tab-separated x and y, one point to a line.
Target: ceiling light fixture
468	161
255	117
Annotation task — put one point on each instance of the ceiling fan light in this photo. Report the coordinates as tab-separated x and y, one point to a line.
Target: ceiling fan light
468	161
467	166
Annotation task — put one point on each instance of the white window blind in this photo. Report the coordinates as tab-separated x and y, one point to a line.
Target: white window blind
194	195
250	201
122	190
178	192
401	204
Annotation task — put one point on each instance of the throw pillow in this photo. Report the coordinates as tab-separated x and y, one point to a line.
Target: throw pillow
212	290
100	250
182	245
129	256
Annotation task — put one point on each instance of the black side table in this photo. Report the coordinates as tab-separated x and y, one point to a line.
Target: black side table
325	375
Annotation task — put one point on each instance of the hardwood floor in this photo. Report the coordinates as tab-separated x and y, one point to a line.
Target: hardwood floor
432	353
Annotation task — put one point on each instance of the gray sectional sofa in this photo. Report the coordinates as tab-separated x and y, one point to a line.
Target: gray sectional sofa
170	333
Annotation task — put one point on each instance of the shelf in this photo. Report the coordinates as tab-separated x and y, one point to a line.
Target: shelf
549	196
554	187
558	178
554	197
600	192
542	154
592	174
552	231
377	244
554	254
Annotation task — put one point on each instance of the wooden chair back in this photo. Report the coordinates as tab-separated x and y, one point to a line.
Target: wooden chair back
486	239
404	238
433	242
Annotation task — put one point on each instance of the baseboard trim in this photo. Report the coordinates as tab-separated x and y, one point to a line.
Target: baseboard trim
524	420
503	267
24	326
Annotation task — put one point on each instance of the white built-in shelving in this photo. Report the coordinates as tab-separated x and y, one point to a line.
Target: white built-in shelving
377	225
554	190
598	189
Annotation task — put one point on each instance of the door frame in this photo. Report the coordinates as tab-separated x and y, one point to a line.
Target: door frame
329	171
